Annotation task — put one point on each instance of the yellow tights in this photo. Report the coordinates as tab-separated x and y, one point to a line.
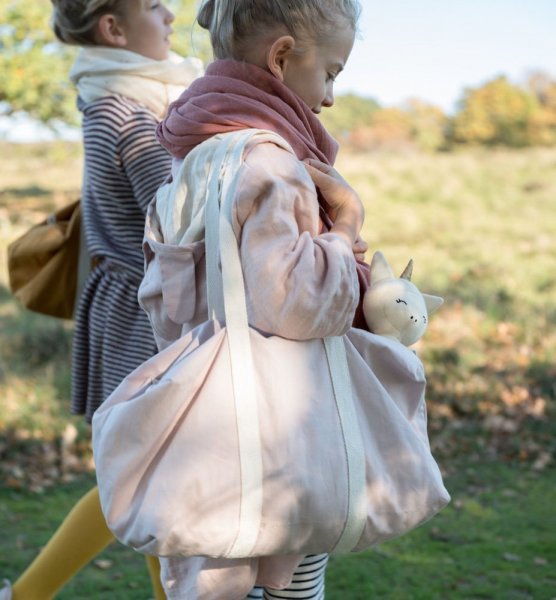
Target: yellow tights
81	536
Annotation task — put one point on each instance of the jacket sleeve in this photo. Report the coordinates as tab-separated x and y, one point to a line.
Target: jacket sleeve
299	284
145	162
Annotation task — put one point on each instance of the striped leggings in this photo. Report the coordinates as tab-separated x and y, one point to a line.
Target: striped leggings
307	582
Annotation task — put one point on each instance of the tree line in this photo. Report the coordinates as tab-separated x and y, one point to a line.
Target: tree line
34	69
496	113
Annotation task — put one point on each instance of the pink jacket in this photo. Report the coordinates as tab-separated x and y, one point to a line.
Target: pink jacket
299	284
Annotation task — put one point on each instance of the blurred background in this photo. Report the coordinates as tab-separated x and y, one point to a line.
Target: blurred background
446	115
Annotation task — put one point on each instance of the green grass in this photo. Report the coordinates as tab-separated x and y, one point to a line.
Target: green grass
481	228
495	540
24	533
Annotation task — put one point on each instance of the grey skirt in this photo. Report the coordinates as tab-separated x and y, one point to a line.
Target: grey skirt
112	336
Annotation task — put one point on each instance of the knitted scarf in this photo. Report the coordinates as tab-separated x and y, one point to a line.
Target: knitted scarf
234	95
100	71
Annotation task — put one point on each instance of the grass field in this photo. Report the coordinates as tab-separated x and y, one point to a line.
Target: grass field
481	228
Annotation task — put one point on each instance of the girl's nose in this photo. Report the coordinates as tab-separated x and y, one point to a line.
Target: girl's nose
328	99
329	96
170	16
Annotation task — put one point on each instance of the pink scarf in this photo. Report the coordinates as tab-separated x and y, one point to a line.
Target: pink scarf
234	95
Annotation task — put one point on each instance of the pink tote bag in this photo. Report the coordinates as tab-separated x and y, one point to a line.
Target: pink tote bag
231	444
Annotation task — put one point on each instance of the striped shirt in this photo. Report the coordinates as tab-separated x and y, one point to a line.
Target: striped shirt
124	166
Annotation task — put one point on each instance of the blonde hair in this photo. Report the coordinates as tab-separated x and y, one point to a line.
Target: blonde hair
74	21
234	24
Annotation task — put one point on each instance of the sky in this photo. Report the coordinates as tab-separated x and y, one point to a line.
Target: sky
433	49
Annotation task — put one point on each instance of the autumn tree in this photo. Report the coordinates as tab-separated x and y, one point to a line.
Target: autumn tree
496	113
33	69
34	66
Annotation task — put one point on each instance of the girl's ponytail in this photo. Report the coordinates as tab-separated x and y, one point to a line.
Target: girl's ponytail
206	14
217	17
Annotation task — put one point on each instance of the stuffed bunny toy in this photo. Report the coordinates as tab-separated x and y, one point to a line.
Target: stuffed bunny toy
393	306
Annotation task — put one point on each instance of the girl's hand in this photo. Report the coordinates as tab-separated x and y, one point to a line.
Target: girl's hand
346	209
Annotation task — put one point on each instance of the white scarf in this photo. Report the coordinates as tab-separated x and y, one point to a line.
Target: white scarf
101	71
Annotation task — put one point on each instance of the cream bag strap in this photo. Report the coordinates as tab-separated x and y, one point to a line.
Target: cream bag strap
226	302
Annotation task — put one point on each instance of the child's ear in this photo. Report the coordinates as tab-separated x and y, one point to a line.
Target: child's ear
279	54
110	32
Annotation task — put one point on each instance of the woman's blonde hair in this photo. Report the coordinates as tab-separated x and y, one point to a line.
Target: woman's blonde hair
234	24
74	21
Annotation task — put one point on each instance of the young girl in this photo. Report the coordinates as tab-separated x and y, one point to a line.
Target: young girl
125	77
276	63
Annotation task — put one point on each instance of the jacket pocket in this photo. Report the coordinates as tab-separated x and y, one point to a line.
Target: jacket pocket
169	290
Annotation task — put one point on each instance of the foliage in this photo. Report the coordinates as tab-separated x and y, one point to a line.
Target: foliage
427	123
417	124
351	112
34	66
500	113
496	113
388	128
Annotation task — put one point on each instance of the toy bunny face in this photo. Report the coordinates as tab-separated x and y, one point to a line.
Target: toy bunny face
394	307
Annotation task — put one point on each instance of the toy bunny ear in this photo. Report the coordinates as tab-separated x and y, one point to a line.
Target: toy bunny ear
432	302
380	269
408	271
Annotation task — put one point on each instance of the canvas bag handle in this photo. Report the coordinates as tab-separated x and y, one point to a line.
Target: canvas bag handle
226	301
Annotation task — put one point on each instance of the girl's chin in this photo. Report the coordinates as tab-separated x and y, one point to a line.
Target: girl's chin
163	53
